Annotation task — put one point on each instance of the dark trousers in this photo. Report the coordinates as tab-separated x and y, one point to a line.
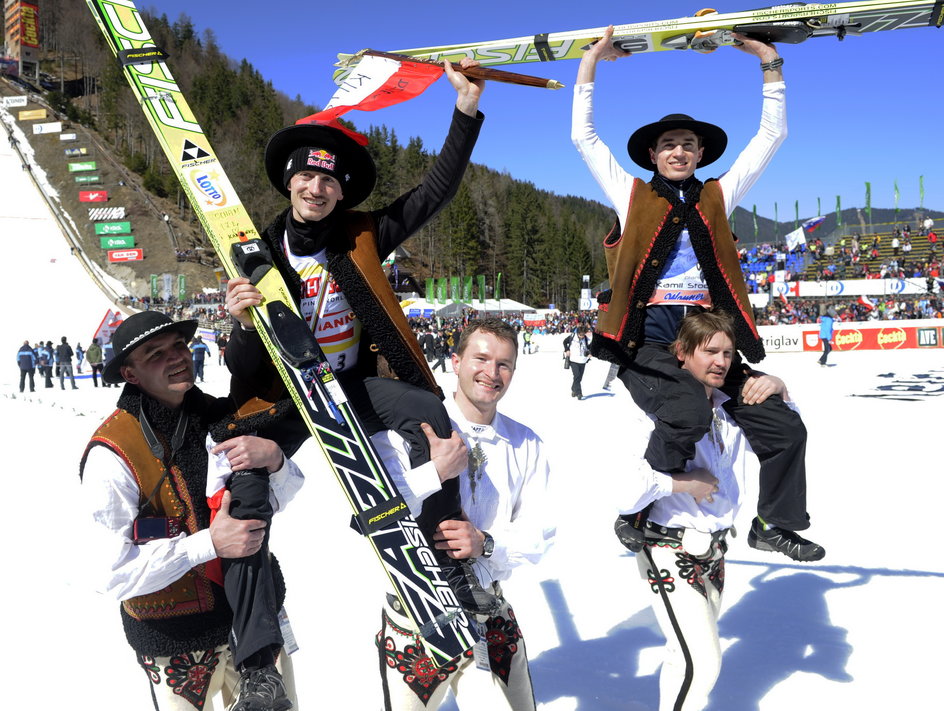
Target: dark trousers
23	374
387	404
683	415
827	349
248	582
577	370
96	370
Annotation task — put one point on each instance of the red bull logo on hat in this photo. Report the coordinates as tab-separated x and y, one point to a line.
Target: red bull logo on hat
320	158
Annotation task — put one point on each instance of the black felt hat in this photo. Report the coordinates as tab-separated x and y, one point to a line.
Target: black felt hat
713	139
333	150
134	331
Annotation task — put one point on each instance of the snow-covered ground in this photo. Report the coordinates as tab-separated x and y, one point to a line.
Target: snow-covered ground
858	630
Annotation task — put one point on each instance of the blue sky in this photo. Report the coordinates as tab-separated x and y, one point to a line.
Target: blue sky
866	109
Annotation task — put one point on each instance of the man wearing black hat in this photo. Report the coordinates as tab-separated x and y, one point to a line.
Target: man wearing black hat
676	253
330	255
200	592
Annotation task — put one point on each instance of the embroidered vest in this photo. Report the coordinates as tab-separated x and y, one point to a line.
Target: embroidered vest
355	264
192	593
636	257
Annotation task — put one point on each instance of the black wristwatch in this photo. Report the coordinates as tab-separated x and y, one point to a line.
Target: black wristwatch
488	545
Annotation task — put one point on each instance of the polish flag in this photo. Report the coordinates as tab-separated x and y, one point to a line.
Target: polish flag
378	82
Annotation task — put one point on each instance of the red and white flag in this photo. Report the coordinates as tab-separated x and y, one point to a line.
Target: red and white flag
378	82
866	302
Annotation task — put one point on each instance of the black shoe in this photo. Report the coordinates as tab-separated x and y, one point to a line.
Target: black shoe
262	690
631	529
780	540
469	591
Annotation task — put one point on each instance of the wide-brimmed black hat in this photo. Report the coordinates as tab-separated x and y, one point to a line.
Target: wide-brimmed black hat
713	139
134	331
349	161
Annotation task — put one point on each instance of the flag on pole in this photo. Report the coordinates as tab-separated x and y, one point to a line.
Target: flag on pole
481	278
755	222
430	289
378	82
467	289
921	190
498	286
868	199
796	214
838	212
795	239
866	302
819	207
776	222
811	224
897	196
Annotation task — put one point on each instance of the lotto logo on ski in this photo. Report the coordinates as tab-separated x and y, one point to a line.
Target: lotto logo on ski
212	186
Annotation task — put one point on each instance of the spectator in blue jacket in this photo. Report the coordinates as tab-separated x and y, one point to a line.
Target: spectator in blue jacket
826	334
200	350
26	359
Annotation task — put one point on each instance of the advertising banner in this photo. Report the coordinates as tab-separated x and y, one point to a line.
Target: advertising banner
113	228
88	178
75	152
32	115
849	287
106	213
118	241
14	101
126	255
54	127
29	25
876	338
67	136
85	165
93	196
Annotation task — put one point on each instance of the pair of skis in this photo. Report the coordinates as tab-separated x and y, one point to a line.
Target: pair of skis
383	516
705	31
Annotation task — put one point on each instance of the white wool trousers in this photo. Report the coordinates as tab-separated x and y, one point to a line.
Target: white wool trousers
685	592
203	681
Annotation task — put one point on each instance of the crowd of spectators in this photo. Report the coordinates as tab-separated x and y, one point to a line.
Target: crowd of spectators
863	309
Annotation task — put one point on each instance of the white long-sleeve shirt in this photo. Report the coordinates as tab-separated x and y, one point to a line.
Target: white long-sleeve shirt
747	168
723	452
510	498
111	495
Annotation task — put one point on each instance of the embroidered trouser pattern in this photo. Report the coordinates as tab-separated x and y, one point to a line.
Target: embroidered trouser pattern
412	683
687	601
192	680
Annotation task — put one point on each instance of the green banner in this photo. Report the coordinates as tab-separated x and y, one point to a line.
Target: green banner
498	286
921	191
454	288
467	289
154	286
838	211
116	242
441	291
897	197
181	288
85	165
88	178
430	289
868	200
112	228
796	214
481	279
755	221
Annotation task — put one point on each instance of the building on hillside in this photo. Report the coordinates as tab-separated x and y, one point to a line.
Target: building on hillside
21	37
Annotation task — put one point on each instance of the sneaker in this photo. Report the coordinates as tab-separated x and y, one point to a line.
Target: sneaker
469	591
629	533
780	540
262	690
606	387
